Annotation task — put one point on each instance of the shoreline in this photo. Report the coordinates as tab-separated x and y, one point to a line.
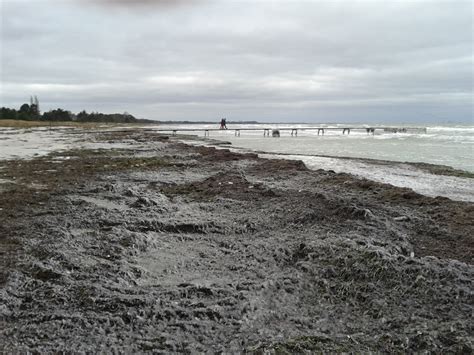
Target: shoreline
427	179
436	169
161	246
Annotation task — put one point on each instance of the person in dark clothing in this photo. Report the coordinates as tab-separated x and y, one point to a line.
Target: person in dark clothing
223	124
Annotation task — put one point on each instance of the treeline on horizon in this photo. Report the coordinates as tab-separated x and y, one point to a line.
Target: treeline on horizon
31	112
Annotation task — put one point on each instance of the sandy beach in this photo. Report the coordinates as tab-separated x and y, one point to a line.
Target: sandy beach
158	246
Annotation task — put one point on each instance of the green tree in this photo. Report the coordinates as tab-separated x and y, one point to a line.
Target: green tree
25	113
57	115
25	108
82	116
8	113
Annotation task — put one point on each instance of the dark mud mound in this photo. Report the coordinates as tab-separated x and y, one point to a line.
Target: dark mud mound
119	136
443	170
279	166
227	185
453	243
222	155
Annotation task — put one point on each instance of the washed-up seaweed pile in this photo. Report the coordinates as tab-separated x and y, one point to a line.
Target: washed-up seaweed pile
230	254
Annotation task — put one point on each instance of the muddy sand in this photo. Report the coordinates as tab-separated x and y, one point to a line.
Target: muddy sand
164	247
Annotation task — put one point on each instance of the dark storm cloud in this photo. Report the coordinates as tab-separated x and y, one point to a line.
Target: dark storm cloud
267	60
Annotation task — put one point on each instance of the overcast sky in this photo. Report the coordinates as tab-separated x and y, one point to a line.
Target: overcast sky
274	61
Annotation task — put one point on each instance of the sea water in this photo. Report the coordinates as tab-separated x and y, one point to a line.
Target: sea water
442	145
449	145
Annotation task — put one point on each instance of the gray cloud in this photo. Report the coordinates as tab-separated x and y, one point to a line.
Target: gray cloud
325	60
143	3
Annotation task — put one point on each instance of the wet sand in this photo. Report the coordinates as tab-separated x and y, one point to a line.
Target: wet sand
166	247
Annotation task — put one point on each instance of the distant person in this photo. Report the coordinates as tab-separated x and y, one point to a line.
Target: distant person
223	124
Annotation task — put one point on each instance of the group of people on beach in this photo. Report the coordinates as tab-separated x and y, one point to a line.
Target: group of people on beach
223	124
